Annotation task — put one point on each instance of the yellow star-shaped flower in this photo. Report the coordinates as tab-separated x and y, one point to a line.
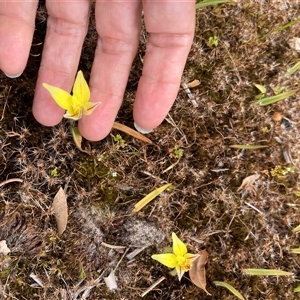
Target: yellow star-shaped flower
77	104
180	259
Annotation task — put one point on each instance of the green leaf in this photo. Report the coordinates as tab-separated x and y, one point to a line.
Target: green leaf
297	289
205	3
230	288
260	87
266	272
293	69
259	96
295	250
138	206
250	147
273	99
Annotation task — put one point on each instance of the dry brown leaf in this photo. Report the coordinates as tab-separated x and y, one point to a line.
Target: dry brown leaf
60	209
131	132
198	273
248	181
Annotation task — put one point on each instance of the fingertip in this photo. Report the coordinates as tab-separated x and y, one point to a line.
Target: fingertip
141	129
14	50
92	131
13	76
42	116
13	64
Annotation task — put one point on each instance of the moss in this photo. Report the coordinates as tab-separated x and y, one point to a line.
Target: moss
89	168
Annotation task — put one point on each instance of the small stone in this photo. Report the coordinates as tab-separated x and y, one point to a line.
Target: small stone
294	43
3	248
277	116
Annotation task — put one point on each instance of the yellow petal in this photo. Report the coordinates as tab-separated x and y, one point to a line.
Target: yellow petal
89	107
81	91
191	257
61	97
180	271
167	259
73	115
179	248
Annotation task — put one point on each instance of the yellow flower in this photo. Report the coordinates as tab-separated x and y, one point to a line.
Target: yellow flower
179	259
77	104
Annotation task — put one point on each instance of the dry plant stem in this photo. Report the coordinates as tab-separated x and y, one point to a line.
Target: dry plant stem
154	177
125	252
170	167
149	289
250	205
10	180
112	246
190	95
6	98
172	122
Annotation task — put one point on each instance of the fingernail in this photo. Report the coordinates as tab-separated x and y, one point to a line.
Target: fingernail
13	76
142	130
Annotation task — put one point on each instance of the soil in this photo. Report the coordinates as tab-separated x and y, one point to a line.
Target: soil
240	226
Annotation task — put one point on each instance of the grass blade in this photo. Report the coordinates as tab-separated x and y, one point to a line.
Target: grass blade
273	99
293	69
295	250
250	147
138	206
205	3
287	25
230	288
266	272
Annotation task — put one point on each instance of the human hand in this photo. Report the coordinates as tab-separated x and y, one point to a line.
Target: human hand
171	28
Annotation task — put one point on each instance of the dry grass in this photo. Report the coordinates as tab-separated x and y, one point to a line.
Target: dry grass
249	228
